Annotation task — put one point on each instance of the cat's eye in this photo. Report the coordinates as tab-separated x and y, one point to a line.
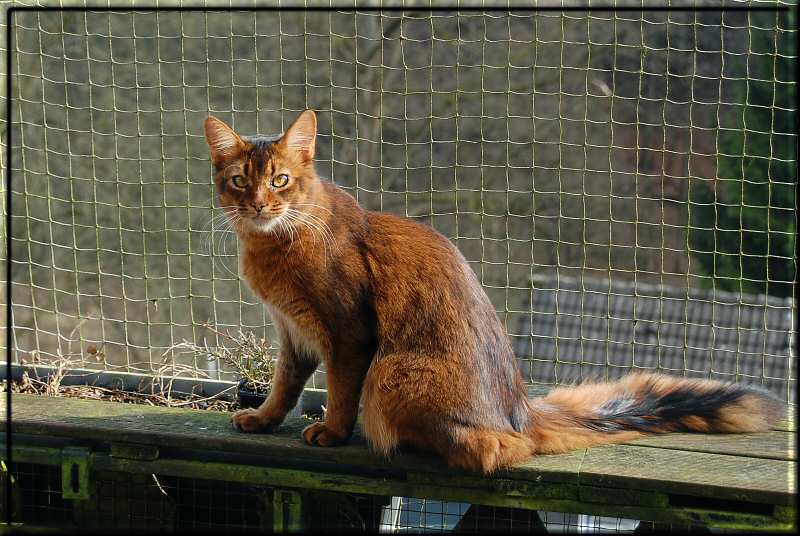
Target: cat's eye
239	181
280	181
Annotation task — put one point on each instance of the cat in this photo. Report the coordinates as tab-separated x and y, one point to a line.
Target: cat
404	327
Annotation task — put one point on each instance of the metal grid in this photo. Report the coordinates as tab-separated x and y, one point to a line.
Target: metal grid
570	155
36	495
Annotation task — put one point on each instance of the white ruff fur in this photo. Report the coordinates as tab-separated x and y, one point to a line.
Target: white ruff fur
261	225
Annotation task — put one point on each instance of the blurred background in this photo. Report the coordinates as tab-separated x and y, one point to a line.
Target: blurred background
623	183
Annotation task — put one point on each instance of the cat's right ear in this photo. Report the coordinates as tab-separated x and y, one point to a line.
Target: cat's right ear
224	143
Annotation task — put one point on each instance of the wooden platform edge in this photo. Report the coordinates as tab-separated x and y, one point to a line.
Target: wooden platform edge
590	500
518	489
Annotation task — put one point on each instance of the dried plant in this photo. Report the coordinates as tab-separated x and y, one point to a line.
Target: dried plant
28	385
64	362
160	386
248	356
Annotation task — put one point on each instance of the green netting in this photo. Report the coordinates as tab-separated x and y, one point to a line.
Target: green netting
622	182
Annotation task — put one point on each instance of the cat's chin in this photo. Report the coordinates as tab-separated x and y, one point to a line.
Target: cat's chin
262	225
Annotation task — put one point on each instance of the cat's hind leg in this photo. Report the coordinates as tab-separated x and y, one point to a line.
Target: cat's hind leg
485	450
421	403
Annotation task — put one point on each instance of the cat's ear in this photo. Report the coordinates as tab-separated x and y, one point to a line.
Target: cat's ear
302	135
224	143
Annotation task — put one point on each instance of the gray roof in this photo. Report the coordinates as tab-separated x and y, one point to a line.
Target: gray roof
595	328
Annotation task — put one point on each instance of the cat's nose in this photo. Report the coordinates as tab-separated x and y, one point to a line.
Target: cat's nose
258	207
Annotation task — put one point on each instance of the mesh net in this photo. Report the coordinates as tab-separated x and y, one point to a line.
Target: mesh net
167	503
622	182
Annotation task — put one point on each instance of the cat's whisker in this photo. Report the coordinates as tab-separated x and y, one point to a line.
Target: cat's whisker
218	220
223	224
319	221
225	213
294	217
313	218
302	217
225	255
287	227
216	242
329	211
292	230
226	230
215	221
314	224
209	229
324	228
295	225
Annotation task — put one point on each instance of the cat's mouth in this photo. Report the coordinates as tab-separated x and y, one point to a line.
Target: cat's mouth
264	221
264	215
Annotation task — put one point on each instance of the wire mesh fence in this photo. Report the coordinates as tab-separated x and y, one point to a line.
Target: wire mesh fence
622	182
170	503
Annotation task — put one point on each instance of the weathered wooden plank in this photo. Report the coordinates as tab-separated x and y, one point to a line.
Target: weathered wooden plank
162	426
513	494
691	473
626	503
775	444
211	430
789	424
661	469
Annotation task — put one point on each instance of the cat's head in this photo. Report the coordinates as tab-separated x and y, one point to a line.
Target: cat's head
263	180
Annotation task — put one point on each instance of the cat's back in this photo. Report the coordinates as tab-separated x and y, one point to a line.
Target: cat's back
391	240
409	240
418	279
425	292
430	304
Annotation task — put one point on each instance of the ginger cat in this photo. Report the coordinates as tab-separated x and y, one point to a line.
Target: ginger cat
402	324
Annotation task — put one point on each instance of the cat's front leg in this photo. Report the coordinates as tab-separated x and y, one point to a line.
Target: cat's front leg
291	373
345	379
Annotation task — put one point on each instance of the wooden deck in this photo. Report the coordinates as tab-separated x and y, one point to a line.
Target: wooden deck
733	481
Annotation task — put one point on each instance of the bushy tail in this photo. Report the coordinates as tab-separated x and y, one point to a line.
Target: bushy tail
640	404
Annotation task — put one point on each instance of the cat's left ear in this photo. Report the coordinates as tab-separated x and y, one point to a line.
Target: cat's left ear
302	135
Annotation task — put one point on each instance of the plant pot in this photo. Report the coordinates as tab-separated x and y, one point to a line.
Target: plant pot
250	395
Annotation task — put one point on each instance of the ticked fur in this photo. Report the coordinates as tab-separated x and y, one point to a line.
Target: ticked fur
404	327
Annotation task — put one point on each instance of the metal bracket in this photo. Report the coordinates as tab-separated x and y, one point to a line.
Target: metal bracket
75	462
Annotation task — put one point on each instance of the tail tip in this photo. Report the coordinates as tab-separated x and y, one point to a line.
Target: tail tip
768	405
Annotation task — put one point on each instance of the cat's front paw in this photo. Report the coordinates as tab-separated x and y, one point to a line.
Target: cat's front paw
251	421
320	435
